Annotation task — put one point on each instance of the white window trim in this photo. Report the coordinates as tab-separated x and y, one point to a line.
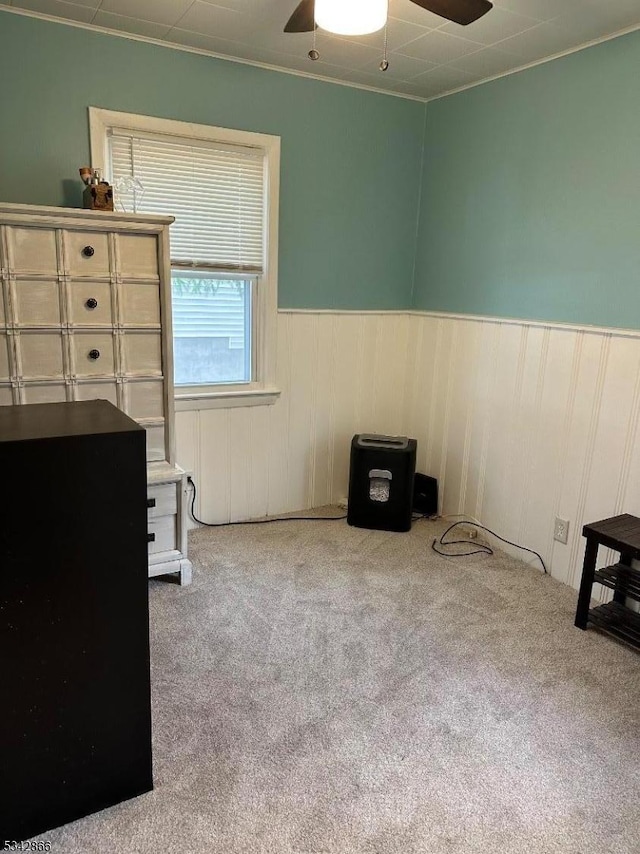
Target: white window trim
263	390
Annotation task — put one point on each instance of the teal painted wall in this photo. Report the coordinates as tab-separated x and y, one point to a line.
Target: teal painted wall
350	158
530	184
531	193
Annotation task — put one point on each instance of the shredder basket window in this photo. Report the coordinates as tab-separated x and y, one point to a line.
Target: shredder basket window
379	485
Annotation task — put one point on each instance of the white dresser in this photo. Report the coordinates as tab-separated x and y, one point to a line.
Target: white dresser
85	313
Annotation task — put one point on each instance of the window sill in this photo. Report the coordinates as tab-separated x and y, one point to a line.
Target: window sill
226	399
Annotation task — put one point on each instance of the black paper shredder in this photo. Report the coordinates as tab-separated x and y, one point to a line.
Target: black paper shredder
381	482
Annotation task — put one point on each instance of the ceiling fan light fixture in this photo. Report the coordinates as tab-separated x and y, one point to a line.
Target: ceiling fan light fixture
351	17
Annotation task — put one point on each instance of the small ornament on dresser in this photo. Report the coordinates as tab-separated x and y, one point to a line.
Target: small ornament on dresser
98	194
128	193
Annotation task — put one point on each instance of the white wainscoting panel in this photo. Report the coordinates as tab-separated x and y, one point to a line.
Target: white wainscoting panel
520	422
523	422
340	374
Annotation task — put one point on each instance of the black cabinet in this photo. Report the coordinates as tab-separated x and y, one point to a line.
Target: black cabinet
75	718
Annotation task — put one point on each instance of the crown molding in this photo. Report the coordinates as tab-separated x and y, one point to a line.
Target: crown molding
27	13
294	72
625	32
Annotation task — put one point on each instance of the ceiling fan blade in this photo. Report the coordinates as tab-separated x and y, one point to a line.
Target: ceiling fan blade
303	19
459	11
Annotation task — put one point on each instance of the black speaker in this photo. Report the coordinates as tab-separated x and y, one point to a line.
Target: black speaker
381	482
425	495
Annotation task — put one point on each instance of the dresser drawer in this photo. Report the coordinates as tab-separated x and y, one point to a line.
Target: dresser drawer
93	354
140	304
165	500
32	250
90	303
144	398
37	302
163	531
87	253
138	255
142	353
97	390
46	392
40	355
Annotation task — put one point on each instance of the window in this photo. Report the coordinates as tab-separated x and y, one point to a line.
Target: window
212	329
221	186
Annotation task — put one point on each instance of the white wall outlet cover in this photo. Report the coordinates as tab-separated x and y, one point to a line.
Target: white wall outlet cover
561	531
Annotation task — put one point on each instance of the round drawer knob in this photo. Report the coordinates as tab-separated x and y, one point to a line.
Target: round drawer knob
94	354
91	303
88	251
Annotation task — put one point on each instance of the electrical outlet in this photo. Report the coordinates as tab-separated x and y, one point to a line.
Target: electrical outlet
561	531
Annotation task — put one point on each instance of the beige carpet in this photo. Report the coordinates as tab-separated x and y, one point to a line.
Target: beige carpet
321	688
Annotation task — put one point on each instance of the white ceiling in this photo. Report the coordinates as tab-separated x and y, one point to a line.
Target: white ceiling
428	55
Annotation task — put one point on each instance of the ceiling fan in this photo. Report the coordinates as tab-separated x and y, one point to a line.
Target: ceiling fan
305	19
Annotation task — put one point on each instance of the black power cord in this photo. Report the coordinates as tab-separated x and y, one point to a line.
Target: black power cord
268	521
482	549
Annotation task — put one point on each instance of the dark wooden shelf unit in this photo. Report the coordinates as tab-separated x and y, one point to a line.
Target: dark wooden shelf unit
622	578
618	621
621	534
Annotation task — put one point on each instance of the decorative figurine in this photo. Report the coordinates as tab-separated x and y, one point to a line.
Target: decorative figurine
98	194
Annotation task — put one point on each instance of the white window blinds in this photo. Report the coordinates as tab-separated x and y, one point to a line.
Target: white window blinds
215	192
